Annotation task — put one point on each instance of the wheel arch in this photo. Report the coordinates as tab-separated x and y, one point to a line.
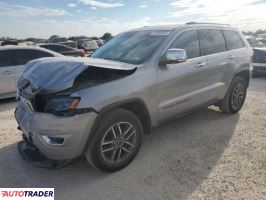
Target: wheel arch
134	105
244	74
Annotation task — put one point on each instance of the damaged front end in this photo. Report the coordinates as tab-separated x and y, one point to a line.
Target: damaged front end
54	127
48	83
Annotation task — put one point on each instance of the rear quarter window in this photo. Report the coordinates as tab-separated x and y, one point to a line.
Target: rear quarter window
233	40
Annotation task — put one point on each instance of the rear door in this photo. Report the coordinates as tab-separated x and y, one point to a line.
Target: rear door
26	55
7	73
238	54
219	62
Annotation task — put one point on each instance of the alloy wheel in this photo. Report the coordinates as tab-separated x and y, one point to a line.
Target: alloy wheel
238	96
118	142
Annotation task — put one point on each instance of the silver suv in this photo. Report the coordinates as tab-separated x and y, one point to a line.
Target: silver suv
101	106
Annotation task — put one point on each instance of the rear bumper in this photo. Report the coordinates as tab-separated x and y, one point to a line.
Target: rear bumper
73	130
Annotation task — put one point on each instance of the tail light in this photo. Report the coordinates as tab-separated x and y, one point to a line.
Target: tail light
82	54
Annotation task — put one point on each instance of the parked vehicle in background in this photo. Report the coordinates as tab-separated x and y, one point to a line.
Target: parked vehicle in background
12	64
100	42
259	57
57	39
259	61
63	41
101	106
9	42
76	38
87	45
63	49
254	42
71	44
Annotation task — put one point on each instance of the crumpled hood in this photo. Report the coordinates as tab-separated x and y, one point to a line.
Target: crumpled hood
56	74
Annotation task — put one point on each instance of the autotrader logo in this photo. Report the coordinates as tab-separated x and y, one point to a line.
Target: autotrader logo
27	193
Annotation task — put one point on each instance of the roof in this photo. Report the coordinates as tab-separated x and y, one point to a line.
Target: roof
16	47
171	27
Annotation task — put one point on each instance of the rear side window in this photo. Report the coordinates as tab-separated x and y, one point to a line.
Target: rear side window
59	48
26	55
188	41
5	59
64	48
212	41
233	40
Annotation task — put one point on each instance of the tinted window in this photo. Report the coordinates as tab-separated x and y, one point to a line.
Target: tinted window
58	48
26	55
5	59
233	41
188	41
212	41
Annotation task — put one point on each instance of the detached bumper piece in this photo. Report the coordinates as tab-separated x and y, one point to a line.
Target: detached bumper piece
32	155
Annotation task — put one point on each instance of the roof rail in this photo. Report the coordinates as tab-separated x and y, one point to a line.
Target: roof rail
191	23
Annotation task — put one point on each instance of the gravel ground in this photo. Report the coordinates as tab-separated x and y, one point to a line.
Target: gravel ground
206	155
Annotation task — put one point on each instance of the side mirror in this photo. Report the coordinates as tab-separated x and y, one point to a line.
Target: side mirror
173	56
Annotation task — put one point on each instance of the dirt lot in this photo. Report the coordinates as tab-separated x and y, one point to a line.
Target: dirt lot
206	155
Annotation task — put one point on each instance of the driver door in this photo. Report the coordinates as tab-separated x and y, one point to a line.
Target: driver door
181	85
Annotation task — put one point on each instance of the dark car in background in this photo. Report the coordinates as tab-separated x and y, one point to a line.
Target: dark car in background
259	56
63	41
259	61
63	49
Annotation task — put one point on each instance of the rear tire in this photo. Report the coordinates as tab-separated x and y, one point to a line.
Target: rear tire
235	96
116	141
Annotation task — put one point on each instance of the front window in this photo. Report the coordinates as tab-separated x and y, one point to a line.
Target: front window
132	47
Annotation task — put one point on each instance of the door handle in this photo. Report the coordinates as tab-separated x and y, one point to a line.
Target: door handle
200	64
230	57
7	72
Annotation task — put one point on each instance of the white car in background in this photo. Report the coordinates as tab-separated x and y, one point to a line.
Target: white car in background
89	46
12	65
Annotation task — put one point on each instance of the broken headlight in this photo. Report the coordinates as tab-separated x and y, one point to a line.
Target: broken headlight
62	104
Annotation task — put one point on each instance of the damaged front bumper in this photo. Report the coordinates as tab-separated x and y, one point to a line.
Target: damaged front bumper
57	137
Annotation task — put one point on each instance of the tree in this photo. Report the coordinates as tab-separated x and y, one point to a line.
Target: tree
107	36
260	31
54	36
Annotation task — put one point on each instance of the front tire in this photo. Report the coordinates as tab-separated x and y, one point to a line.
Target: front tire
116	141
235	97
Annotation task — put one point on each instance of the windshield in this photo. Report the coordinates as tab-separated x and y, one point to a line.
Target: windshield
132	47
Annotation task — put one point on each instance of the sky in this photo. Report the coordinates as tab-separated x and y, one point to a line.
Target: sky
43	18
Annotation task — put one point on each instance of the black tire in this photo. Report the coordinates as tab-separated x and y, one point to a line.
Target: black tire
227	105
119	119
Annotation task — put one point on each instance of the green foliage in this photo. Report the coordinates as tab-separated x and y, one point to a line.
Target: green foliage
258	32
107	36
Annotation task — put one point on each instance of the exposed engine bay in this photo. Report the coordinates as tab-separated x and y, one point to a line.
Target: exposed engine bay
47	83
